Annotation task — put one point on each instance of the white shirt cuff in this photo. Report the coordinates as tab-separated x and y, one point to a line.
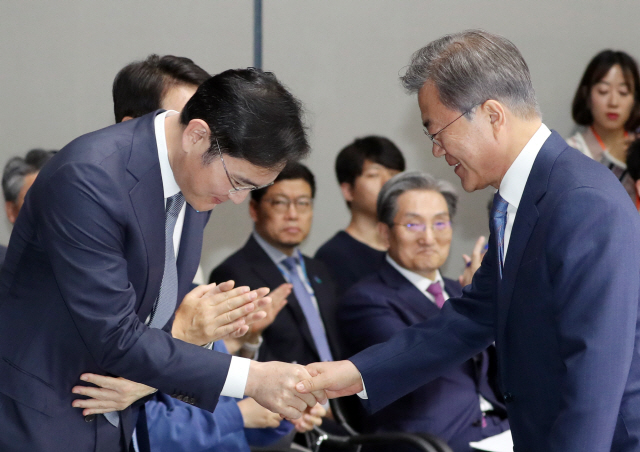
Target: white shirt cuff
236	377
363	394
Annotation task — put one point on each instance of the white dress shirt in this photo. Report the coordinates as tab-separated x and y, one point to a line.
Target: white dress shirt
238	372
422	283
515	179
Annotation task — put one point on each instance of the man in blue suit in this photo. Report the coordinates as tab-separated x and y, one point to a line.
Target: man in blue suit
414	212
110	258
558	288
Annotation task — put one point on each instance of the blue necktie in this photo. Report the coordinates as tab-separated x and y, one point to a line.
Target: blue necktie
310	312
165	304
167	299
499	223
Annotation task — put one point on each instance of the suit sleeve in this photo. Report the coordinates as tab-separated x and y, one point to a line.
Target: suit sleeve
594	270
423	352
84	236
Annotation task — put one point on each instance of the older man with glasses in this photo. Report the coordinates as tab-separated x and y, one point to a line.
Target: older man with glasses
414	213
558	288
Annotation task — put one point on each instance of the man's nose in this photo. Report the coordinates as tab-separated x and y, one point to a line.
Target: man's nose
238	196
438	151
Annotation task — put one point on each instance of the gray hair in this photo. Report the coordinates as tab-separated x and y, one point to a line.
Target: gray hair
471	67
412	180
17	168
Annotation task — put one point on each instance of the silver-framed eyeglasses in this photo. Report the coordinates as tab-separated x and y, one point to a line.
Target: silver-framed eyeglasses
237	187
433	137
438	227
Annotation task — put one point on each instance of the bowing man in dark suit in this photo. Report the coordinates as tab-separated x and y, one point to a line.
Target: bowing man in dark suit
109	239
415	212
558	289
304	330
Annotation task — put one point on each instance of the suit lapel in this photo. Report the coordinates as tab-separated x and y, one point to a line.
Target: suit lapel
147	201
190	248
268	272
411	299
526	219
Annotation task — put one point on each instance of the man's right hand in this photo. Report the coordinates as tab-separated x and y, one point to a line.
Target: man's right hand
335	378
213	312
273	385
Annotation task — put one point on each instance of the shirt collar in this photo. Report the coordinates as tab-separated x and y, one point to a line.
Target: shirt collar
513	182
274	254
169	184
417	280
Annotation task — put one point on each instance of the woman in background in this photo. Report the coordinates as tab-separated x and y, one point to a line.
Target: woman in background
607	104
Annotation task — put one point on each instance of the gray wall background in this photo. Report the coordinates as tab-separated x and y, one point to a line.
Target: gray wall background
340	57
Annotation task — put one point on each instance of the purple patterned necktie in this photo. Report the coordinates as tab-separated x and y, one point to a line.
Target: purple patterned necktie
435	289
499	223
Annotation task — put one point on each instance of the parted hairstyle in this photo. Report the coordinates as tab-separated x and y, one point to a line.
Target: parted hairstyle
387	206
596	70
252	116
139	87
17	168
471	67
293	170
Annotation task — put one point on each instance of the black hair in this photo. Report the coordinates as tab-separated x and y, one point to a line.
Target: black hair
633	160
293	170
251	116
381	150
595	72
139	87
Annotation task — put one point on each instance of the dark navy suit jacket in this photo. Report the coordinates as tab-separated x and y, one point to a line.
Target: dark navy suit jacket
288	338
386	302
564	316
81	275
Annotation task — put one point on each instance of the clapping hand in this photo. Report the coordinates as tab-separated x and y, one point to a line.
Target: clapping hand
216	311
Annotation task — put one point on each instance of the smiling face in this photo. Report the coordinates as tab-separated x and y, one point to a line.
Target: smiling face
611	100
284	213
421	252
467	145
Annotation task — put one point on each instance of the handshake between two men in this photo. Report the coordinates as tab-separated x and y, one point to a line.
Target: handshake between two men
216	312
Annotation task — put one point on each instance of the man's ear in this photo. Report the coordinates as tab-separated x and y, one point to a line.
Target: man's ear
384	233
12	211
495	111
253	210
637	183
197	132
347	191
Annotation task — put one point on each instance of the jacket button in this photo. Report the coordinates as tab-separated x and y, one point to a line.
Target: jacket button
89	417
508	397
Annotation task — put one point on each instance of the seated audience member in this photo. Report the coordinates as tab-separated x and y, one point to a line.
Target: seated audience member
607	104
415	212
17	177
633	166
362	168
304	330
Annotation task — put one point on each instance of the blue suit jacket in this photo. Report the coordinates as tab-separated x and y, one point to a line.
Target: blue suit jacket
564	316
384	303
82	272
